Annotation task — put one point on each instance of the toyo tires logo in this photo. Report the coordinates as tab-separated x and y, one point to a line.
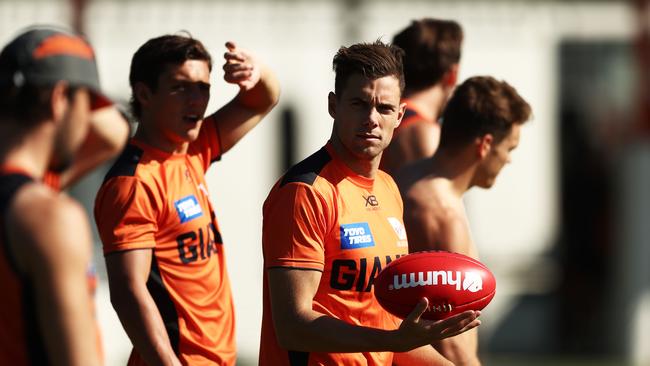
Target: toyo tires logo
466	281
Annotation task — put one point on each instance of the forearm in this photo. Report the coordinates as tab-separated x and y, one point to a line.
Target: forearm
106	138
320	333
462	350
425	355
264	95
143	324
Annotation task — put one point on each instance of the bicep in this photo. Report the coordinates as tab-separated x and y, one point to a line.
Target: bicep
128	268
455	236
55	253
232	122
292	292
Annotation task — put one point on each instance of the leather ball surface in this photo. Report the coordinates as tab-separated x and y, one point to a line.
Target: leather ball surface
452	282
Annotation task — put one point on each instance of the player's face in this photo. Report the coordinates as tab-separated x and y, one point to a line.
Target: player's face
497	158
177	105
72	130
365	115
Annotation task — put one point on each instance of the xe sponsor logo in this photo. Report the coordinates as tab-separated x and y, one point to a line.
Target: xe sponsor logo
371	200
470	281
188	208
357	235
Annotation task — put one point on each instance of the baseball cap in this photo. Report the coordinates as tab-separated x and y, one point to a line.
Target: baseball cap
45	55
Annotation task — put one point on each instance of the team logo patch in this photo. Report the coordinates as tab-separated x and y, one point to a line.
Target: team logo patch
400	231
356	235
188	208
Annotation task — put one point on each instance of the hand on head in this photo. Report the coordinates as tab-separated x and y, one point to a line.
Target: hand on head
240	67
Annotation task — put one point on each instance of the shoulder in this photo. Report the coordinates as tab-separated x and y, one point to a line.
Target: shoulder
388	180
37	197
304	185
429	196
307	170
47	224
132	172
420	130
127	163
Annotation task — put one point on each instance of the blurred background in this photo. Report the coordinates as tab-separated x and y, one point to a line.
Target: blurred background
566	230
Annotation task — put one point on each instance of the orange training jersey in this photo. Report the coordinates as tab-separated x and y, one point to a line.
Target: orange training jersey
151	199
322	216
21	341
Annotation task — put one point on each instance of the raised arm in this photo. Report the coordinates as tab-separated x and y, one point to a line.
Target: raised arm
300	328
106	137
128	272
50	242
259	93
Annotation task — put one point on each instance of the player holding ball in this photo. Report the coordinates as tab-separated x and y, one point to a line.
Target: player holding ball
332	222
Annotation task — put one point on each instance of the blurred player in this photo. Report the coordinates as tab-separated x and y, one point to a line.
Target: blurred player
106	137
164	252
432	54
332	222
481	127
48	86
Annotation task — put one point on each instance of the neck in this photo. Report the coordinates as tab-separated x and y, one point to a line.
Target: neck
456	166
429	102
30	150
363	167
148	134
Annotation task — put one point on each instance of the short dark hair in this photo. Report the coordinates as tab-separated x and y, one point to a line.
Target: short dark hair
372	60
28	104
151	59
431	47
479	106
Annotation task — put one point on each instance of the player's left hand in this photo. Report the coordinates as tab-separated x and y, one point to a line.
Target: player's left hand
240	67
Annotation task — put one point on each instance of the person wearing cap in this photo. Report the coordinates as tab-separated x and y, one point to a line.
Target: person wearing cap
164	252
48	86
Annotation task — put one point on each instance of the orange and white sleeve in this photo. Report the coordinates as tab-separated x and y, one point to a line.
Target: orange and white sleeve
294	228
124	215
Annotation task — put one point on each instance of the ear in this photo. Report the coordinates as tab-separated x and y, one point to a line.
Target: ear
484	145
331	104
142	93
400	114
450	78
59	102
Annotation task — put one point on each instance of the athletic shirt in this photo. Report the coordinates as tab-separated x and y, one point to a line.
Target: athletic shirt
322	216
21	341
151	199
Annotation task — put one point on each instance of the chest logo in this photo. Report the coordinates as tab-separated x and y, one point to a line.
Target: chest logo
357	235
400	231
188	208
371	200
